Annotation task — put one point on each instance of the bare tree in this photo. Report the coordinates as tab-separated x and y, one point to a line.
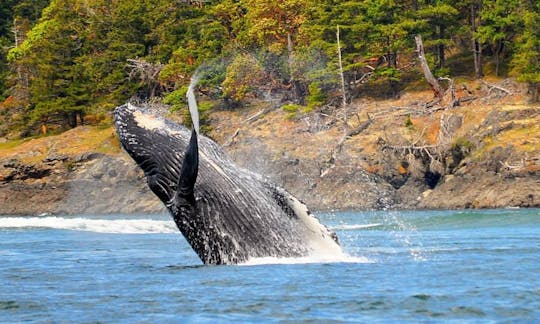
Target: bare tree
344	102
425	68
147	73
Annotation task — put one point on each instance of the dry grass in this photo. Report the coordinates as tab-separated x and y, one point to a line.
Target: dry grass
76	141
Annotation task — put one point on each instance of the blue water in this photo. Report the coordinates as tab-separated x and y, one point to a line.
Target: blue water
462	266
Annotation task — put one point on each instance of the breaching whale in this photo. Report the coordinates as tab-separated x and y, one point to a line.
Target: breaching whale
227	214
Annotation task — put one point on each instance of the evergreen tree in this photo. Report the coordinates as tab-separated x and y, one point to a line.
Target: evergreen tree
440	24
499	25
526	62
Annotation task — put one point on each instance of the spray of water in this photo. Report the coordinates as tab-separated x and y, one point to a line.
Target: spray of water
192	102
406	234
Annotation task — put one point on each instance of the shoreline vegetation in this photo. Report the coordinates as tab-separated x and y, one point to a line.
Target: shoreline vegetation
353	105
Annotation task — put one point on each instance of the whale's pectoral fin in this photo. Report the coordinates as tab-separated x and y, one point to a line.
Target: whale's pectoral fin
188	173
298	211
155	151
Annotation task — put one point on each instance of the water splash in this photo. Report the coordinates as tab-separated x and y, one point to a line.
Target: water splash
404	234
192	102
342	258
116	226
352	227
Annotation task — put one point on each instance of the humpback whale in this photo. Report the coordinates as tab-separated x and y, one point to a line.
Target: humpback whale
227	214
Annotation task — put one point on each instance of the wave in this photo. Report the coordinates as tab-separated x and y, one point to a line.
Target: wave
116	226
431	219
305	260
349	227
467	219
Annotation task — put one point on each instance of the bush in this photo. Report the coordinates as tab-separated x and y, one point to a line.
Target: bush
242	77
459	149
408	122
292	110
316	97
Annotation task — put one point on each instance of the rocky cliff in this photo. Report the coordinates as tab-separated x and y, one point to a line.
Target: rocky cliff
392	154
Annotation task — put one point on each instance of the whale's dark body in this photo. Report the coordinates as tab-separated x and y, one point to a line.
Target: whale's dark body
226	213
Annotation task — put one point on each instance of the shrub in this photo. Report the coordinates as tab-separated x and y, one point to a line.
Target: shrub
242	76
316	97
292	110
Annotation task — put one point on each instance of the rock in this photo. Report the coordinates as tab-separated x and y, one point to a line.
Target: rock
99	186
55	158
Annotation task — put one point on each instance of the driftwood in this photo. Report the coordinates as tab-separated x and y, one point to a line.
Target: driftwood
491	87
453	101
518	167
231	139
348	134
353	132
466	99
258	115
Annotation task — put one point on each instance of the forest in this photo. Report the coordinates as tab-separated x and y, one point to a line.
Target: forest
68	62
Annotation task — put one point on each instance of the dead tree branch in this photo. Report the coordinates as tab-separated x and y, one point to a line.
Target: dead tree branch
425	68
339	147
258	115
353	132
232	138
491	87
147	73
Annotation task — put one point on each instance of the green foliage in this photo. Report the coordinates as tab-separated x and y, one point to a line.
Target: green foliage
292	110
176	99
243	74
408	123
71	56
15	16
316	97
526	62
389	73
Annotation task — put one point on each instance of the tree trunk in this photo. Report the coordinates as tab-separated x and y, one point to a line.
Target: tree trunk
535	89
425	68
344	94
80	114
23	80
477	47
290	61
440	48
498	52
72	119
43	128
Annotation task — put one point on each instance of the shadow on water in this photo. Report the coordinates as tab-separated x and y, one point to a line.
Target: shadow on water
177	268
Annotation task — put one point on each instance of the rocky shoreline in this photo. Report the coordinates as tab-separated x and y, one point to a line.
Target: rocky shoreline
91	183
489	159
94	183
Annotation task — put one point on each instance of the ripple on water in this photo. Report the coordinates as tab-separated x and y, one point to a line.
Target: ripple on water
9	304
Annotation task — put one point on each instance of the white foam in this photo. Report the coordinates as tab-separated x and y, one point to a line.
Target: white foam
119	226
346	227
341	258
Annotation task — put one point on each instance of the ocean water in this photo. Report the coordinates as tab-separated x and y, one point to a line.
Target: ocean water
429	266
